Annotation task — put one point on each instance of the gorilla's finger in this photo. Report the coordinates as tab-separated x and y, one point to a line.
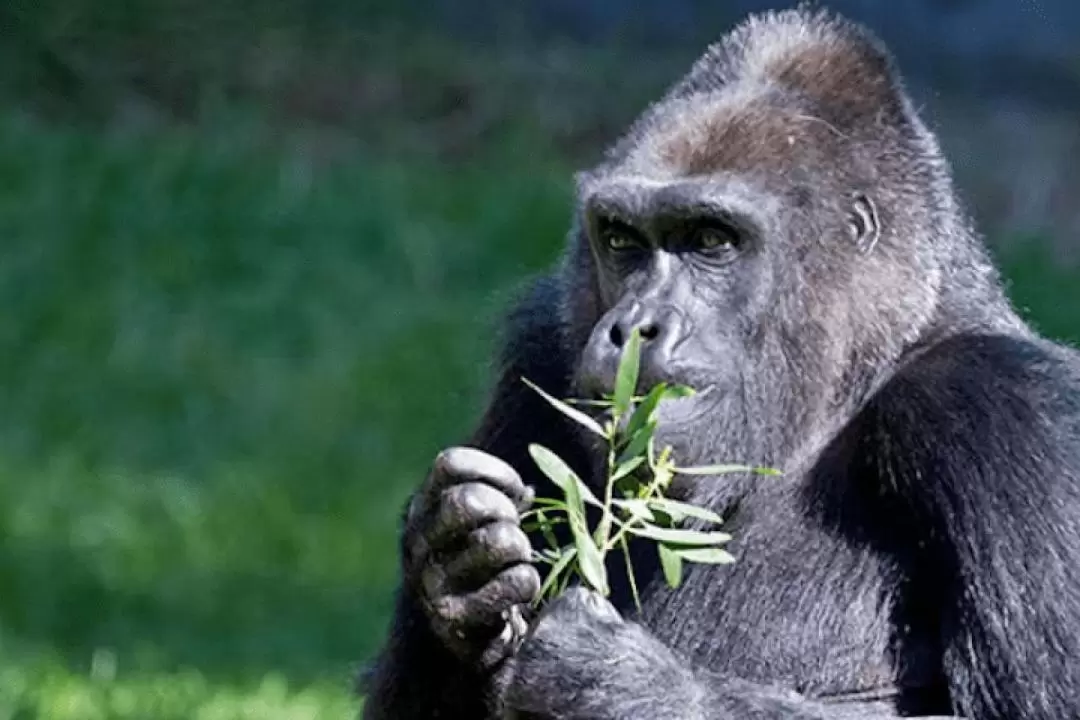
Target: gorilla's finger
488	550
463	508
464	464
508	640
485	607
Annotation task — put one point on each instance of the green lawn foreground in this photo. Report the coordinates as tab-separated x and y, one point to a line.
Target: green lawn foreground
223	368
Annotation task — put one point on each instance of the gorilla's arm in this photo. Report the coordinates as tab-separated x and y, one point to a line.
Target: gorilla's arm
416	675
990	469
582	661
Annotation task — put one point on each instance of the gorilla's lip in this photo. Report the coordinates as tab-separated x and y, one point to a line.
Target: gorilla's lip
686	409
678	411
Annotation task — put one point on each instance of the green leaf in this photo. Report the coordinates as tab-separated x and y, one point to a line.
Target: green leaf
681	537
627	376
626	468
722	470
672	565
546	525
645	409
662	476
568	555
680	510
542	503
675	392
630	572
588	403
560	473
572	413
664	458
542	559
637	443
549	554
589	559
636	508
711	555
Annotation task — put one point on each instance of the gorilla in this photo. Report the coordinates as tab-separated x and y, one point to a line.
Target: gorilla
783	231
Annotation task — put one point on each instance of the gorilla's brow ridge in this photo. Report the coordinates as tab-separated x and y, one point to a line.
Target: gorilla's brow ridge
643	204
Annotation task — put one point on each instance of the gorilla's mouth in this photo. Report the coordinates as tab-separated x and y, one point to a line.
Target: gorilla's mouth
673	411
688	409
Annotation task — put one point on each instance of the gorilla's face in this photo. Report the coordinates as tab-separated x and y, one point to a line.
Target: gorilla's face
681	262
767	246
688	261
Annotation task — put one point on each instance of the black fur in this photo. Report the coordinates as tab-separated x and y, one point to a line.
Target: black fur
920	555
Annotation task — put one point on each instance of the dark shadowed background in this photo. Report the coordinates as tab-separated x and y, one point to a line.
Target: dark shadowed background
251	257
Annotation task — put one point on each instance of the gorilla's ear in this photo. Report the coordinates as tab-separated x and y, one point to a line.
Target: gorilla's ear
863	224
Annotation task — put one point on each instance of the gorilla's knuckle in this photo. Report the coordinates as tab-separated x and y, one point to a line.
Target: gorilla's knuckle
449	460
510	477
472	500
522	581
504	538
453	507
449	609
432	582
460	500
484	500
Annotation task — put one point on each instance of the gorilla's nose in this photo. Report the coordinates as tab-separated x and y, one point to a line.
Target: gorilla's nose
654	325
660	329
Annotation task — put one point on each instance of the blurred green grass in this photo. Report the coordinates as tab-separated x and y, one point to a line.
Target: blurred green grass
222	367
230	349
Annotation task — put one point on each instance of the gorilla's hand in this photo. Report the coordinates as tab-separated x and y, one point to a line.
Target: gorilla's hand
581	660
466	556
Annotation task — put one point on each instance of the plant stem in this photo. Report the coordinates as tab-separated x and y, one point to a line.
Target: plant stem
624	529
630	572
604	529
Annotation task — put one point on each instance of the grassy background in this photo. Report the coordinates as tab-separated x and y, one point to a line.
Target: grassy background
240	318
223	367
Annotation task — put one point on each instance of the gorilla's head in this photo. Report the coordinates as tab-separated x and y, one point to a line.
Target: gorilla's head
782	230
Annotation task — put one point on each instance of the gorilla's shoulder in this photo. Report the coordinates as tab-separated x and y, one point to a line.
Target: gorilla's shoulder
993	358
1027	381
535	313
533	339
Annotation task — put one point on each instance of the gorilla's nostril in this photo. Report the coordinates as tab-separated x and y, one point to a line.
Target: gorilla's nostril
616	335
649	331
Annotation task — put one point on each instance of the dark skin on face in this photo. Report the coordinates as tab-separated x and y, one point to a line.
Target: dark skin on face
781	229
672	261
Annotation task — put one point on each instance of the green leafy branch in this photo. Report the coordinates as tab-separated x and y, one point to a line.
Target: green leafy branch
634	502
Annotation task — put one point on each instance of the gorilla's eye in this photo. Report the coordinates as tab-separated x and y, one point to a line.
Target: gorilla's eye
615	240
619	238
715	239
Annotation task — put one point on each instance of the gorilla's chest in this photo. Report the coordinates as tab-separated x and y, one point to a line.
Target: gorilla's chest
800	606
